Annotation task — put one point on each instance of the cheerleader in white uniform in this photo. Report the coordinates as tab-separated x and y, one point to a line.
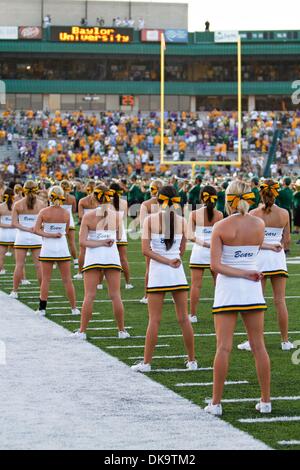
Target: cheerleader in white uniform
164	243
52	225
200	228
70	206
24	216
99	232
85	205
234	248
271	260
7	233
121	207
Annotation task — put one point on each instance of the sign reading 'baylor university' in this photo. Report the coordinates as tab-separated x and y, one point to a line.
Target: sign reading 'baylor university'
95	34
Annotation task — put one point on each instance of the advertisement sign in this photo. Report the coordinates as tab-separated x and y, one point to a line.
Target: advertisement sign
151	35
9	32
75	34
179	36
30	32
226	36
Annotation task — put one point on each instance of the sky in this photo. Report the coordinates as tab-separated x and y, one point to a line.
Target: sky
242	15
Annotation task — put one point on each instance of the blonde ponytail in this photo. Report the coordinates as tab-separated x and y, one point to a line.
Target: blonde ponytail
56	196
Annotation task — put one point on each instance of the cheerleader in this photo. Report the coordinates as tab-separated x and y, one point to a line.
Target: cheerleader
200	227
7	233
53	224
234	249
24	216
99	232
18	192
271	259
70	206
121	207
85	205
147	208
164	242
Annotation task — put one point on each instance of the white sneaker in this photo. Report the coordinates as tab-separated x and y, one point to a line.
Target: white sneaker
78	276
100	287
144	301
2	272
79	335
54	266
129	286
41	313
192	365
75	311
244	346
123	334
13	295
141	367
25	282
287	346
8	253
264	408
76	264
215	410
193	318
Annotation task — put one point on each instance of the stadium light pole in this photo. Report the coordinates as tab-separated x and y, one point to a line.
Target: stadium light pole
162	96
239	58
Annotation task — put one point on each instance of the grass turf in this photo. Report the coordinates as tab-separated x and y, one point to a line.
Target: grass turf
285	375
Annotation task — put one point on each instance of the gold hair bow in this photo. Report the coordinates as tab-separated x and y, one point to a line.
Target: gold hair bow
264	187
119	193
107	194
30	190
209	197
55	197
154	190
234	199
8	197
167	200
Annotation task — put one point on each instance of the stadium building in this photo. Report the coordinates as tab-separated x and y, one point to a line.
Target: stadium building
52	59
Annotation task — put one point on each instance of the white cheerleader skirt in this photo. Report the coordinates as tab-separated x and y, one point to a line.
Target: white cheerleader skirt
124	240
55	249
272	264
200	257
27	240
233	294
164	278
102	257
7	235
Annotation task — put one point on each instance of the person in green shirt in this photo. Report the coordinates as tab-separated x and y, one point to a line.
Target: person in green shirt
221	199
255	190
285	197
183	194
296	209
194	194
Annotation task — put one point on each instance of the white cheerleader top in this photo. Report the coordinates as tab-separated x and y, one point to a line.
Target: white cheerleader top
6	219
243	257
159	247
204	233
102	235
53	227
273	235
28	220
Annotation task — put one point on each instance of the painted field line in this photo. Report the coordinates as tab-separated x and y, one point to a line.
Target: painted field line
289	443
200	369
137	347
31	296
208	384
92	321
158	357
279	419
250	400
69	314
107	329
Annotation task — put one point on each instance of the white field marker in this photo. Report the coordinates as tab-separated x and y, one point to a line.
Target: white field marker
108	329
279	419
249	400
208	384
289	443
158	357
92	321
200	369
136	347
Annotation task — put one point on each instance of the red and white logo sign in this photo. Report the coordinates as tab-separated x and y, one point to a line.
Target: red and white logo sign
151	35
30	32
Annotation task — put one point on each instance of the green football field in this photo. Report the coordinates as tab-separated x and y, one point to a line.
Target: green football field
278	430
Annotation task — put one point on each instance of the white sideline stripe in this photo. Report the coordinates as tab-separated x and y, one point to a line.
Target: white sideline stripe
92	321
68	315
108	329
200	369
137	347
203	335
289	443
249	400
37	345
208	384
159	357
31	296
280	419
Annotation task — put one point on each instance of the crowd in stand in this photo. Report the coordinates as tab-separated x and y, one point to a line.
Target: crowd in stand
104	144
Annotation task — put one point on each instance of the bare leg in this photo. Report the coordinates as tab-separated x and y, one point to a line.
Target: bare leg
254	323
197	276
65	271
113	278
81	258
155	306
224	326
20	263
181	306
279	286
147	276
46	268
124	262
90	289
37	264
72	244
3	250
